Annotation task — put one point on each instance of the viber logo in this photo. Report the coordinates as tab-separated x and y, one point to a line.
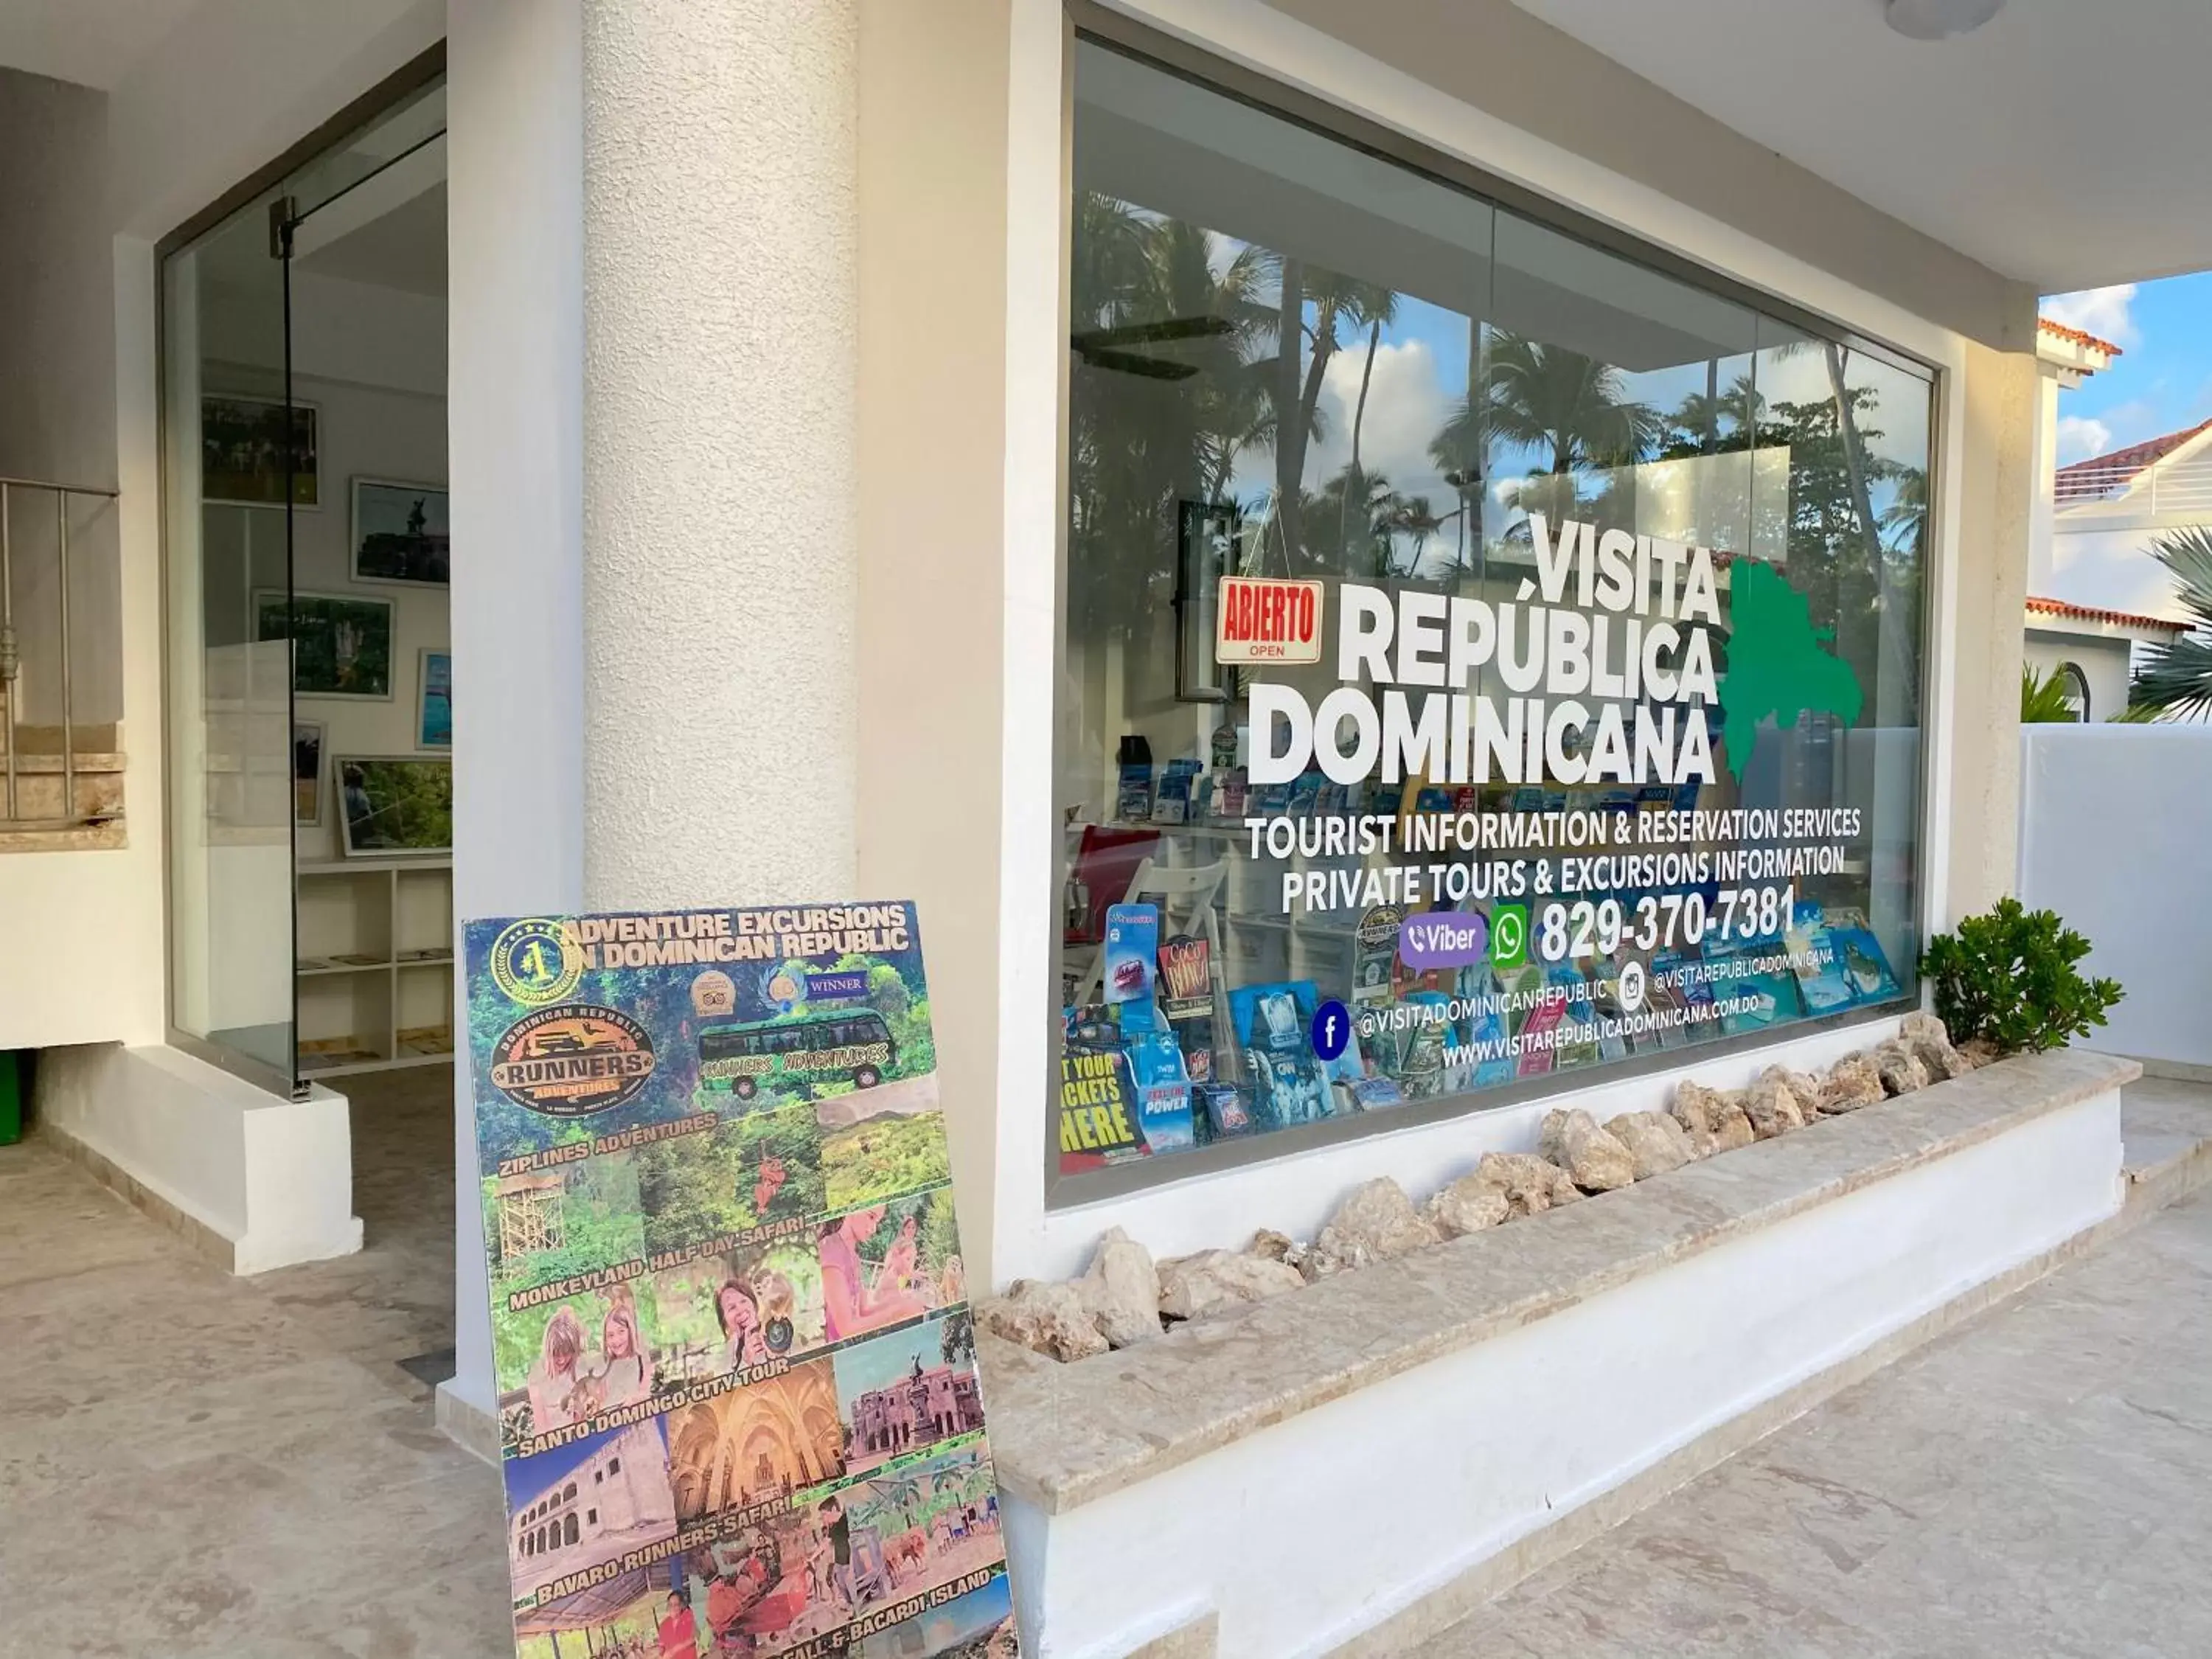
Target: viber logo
1443	939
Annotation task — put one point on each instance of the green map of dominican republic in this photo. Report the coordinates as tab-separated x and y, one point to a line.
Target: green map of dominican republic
1777	669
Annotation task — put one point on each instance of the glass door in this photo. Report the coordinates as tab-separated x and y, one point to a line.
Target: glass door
259	671
239	463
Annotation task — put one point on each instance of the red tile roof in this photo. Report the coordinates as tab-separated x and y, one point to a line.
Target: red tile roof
2080	337
2090	613
2115	467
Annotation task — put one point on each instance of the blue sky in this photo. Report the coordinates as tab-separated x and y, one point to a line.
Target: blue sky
2161	383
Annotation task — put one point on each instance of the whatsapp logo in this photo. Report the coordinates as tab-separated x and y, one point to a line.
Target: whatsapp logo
1509	936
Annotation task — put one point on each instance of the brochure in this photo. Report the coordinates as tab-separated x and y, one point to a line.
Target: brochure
1186	985
1132	944
1163	1091
1838	960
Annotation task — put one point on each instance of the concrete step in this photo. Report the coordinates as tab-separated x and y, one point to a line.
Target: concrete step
2165	1140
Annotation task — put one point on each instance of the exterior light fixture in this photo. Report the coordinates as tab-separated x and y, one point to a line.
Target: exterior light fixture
1940	20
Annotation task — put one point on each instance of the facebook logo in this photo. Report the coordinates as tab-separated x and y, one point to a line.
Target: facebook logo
1332	1029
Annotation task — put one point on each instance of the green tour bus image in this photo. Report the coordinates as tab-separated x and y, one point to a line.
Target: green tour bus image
855	1046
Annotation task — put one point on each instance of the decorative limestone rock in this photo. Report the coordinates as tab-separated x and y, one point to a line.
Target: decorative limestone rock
1802	1085
1895	1065
1596	1162
1122	1291
1978	1051
1377	1222
1654	1140
1269	1245
1851	1083
1772	1107
1193	1286
1530	1183
1467	1205
1931	1045
1714	1119
1047	1315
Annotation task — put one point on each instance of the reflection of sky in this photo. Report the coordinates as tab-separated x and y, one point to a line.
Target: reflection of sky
1420	379
884	1360
528	1479
966	1617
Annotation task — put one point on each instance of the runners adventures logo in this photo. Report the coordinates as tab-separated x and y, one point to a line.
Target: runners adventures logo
572	1061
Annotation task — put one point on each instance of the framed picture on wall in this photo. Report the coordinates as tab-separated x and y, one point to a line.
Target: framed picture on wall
433	702
394	806
341	642
250	445
306	772
399	532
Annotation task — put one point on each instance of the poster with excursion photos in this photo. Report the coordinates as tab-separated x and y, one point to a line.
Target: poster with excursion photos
738	1406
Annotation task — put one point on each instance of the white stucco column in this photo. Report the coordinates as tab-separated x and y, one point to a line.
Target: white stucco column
719	432
2043	478
515	369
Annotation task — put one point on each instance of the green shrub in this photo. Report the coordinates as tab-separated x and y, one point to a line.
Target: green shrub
2009	978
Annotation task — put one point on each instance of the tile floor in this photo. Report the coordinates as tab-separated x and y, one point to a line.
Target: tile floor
2036	1485
194	1466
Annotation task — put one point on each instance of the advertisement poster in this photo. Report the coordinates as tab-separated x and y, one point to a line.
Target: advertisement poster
739	1405
1613	797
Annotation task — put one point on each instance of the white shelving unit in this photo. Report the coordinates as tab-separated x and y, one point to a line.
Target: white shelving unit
375	964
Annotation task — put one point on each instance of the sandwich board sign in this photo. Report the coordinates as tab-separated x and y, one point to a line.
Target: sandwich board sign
739	1405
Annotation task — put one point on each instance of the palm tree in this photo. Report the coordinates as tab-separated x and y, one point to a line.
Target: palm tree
2045	699
2176	680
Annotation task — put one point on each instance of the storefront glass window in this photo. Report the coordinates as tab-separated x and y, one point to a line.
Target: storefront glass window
1488	660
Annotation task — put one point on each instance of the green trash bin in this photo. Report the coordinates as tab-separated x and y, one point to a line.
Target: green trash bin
11	1097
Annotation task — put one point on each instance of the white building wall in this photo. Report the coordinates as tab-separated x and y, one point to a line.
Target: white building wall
2106	568
515	228
2102	663
2112	829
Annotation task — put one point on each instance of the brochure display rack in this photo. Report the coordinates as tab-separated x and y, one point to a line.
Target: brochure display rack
374	964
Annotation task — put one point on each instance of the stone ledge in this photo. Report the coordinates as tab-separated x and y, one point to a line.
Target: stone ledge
1063	1436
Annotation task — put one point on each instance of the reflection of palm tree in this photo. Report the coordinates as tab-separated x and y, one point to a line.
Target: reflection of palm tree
1705	421
1905	519
1166	393
1547	398
1552	400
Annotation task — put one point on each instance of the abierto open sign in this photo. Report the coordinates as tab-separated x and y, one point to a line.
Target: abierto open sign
1268	619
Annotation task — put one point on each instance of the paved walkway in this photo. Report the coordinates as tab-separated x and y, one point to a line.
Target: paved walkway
2036	1485
197	1466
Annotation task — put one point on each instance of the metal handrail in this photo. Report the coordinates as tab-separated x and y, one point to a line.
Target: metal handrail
11	661
2176	487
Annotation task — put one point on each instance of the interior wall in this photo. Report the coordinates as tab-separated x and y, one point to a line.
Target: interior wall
96	972
57	401
932	286
371	360
87	184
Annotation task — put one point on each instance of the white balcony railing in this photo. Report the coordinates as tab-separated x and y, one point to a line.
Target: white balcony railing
2178	490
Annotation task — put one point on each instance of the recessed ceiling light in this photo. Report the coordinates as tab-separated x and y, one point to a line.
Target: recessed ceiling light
1940	20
